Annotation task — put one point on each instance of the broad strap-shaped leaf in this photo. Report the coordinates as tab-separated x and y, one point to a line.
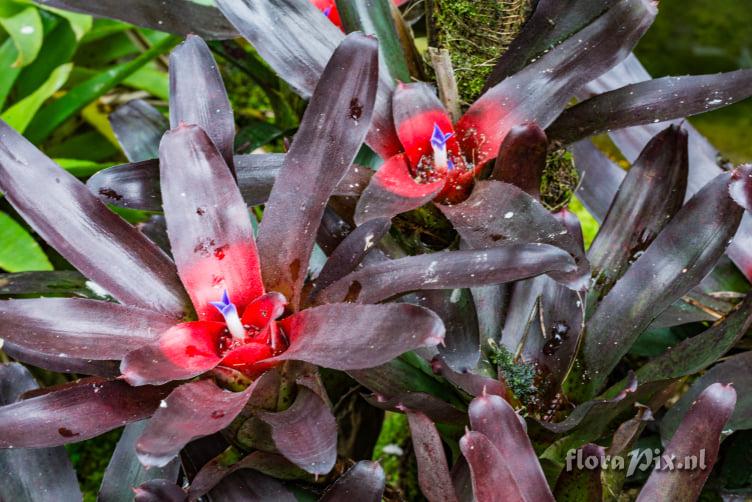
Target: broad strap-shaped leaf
433	407
677	260
393	190
500	214
138	127
46	283
582	482
124	471
317	160
651	194
198	95
539	92
522	158
208	223
32	473
365	482
75	412
493	417
99	243
352	337
175	16
192	410
471	383
600	178
159	490
447	270
433	470
87	329
653	101
699	434
250	486
491	474
298	46
521	312
350	253
58	364
551	22
306	432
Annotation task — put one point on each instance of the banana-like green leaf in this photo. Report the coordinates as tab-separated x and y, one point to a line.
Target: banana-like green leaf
20	114
24	26
19	251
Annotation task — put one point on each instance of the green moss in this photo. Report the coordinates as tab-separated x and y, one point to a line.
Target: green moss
476	33
519	376
559	180
401	470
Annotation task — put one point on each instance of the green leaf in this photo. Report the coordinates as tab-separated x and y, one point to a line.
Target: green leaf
19	252
26	31
81	168
8	73
20	115
58	48
151	80
79	23
51	116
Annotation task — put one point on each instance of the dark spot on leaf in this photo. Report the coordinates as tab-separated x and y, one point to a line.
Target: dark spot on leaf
204	246
356	109
110	194
219	253
67	433
200	211
496	237
353	292
295	270
216	414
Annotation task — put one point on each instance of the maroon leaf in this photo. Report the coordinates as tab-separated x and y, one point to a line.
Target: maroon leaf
76	412
522	158
198	95
364	482
493	417
343	101
599	178
175	16
125	472
208	223
677	260
86	329
298	47
305	433
53	362
699	434
651	194
159	490
522	311
192	410
653	101
250	486
492	479
584	482
740	188
497	214
350	337
470	382
138	127
433	471
349	254
393	190
540	91
97	242
433	407
32	473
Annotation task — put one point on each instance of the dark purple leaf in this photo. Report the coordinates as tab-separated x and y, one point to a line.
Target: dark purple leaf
198	95
652	101
462	480
125	472
350	337
677	260
490	305
472	383
363	482
250	486
522	158
53	362
649	197
433	407
433	470
699	434
492	479
155	228
522	312
551	22
76	412
741	188
198	453
500	214
138	127
344	102
175	16
349	254
192	410
100	244
52	283
447	270
298	47
158	490
44	474
85	329
208	223
583	485
539	92
493	417
599	178
305	433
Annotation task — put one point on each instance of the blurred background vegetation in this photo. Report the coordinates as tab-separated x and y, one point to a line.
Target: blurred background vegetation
61	74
